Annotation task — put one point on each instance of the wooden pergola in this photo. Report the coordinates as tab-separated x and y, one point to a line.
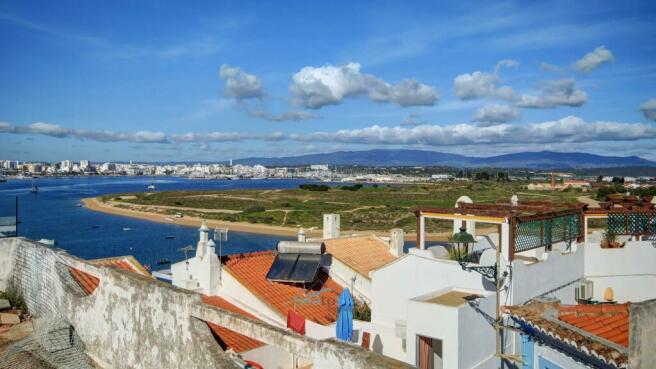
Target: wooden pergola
522	226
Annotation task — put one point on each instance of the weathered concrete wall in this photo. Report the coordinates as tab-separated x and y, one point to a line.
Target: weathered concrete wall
131	321
642	335
6	262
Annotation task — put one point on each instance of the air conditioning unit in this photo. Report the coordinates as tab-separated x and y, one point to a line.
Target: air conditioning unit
583	290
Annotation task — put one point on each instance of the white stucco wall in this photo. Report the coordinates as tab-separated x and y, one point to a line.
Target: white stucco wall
383	339
638	257
477	332
412	276
630	271
560	269
270	357
6	262
435	321
347	277
233	291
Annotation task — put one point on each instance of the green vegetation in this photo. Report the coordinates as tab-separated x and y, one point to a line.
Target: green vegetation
362	207
362	311
314	187
603	192
15	299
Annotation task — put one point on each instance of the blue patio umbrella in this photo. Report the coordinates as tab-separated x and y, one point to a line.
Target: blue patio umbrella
344	325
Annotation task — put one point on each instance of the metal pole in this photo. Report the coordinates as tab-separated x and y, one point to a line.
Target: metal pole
16	217
497	322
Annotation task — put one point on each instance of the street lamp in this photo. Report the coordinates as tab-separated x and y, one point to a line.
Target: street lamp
460	246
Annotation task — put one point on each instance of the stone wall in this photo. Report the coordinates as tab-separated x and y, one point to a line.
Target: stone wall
642	335
131	321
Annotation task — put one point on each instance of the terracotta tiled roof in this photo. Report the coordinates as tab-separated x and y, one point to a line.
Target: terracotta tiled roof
361	253
127	262
227	338
87	282
251	270
610	322
599	323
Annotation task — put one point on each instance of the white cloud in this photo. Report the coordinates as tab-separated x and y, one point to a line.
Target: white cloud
505	63
227	137
410	120
410	92
316	87
292	115
495	113
55	130
548	67
239	84
594	59
648	108
555	93
481	85
568	129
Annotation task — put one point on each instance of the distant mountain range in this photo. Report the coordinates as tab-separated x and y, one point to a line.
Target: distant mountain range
389	158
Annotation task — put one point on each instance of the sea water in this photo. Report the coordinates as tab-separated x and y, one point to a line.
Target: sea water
54	213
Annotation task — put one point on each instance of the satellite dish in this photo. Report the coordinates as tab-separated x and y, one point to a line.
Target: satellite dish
489	258
464	199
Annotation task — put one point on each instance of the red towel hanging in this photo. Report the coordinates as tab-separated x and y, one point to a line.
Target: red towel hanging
296	322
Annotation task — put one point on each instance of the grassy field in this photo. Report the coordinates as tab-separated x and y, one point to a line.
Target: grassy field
369	208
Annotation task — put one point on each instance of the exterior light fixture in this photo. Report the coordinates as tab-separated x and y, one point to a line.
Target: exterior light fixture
460	247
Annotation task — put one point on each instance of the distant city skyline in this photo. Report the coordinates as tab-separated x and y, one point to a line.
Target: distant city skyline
213	82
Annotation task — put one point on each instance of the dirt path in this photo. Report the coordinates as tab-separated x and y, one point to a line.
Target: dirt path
200	210
586	200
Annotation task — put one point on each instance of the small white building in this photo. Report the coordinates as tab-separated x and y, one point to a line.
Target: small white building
200	273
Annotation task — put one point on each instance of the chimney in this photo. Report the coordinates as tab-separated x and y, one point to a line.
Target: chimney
397	240
301	235
642	328
330	226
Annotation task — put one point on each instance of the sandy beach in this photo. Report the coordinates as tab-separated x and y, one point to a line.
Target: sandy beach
97	205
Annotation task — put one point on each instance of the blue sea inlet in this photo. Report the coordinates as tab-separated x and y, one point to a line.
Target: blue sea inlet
54	213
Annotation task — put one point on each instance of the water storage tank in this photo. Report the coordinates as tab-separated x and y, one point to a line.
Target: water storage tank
295	247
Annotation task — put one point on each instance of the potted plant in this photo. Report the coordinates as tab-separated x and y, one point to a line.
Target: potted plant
609	241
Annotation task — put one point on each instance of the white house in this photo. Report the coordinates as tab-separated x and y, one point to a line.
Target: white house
434	312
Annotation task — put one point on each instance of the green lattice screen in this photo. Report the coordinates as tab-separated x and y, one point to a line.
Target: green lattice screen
632	223
537	233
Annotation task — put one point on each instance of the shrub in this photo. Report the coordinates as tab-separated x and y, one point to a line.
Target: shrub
254	209
355	187
362	311
15	299
314	187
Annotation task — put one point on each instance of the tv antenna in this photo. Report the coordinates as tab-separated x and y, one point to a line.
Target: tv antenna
220	235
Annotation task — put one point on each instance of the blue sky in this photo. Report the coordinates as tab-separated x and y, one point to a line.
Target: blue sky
168	81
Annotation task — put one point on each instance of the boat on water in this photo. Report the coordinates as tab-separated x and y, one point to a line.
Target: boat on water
34	188
152	187
126	229
48	242
170	237
164	261
95	226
